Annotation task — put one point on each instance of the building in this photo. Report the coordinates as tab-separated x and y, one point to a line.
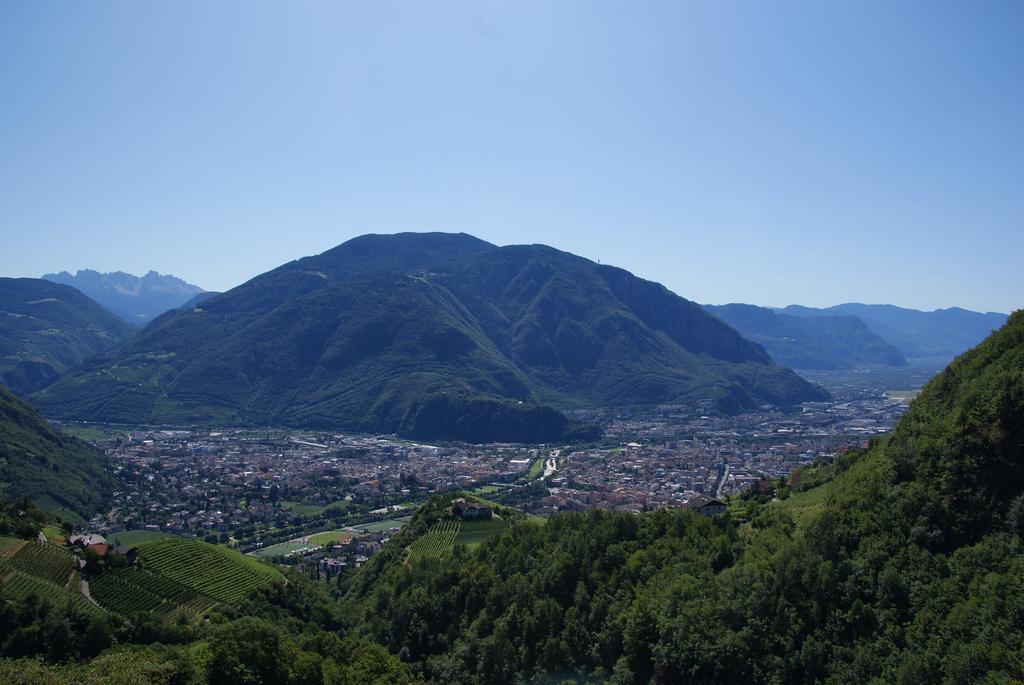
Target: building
471	511
703	504
83	543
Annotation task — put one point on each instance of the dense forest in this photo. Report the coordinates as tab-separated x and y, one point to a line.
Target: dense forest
902	562
55	469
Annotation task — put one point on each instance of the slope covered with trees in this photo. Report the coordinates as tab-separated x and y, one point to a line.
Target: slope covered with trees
432	336
46	328
902	563
57	471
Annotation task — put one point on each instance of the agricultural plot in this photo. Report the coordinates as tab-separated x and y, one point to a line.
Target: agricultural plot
44	561
131	538
19	585
436	542
219	573
381	526
472	533
9	547
135	590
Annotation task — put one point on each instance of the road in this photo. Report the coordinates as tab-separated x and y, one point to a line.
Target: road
721	482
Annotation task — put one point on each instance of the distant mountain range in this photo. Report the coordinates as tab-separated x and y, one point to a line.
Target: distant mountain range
822	342
935	336
428	335
46	328
136	300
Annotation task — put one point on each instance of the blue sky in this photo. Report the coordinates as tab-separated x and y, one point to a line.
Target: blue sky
771	153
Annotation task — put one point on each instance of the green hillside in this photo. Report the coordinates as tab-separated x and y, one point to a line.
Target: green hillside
432	336
59	472
901	563
46	328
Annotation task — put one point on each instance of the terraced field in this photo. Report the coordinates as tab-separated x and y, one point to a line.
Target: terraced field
436	542
30	567
44	561
19	585
135	590
216	572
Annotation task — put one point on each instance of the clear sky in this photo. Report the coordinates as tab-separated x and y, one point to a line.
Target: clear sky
764	152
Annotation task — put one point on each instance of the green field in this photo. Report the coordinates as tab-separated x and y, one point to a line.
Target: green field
93	433
283	548
9	547
54	535
19	585
472	533
305	509
536	469
381	526
436	542
211	570
131	538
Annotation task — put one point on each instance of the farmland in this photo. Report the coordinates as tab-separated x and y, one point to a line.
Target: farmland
29	567
387	524
136	590
472	533
436	542
131	538
9	547
217	572
41	560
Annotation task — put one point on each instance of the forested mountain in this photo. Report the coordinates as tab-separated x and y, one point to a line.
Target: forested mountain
136	299
900	563
427	335
46	328
933	336
59	472
810	342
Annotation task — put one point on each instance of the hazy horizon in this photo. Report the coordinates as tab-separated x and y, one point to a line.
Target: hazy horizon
794	153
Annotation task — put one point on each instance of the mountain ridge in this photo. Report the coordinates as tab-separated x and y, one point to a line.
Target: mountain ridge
136	299
46	328
366	335
825	342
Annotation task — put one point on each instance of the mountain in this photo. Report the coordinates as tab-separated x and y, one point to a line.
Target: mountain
810	342
46	328
936	336
900	563
136	300
58	472
429	335
199	299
